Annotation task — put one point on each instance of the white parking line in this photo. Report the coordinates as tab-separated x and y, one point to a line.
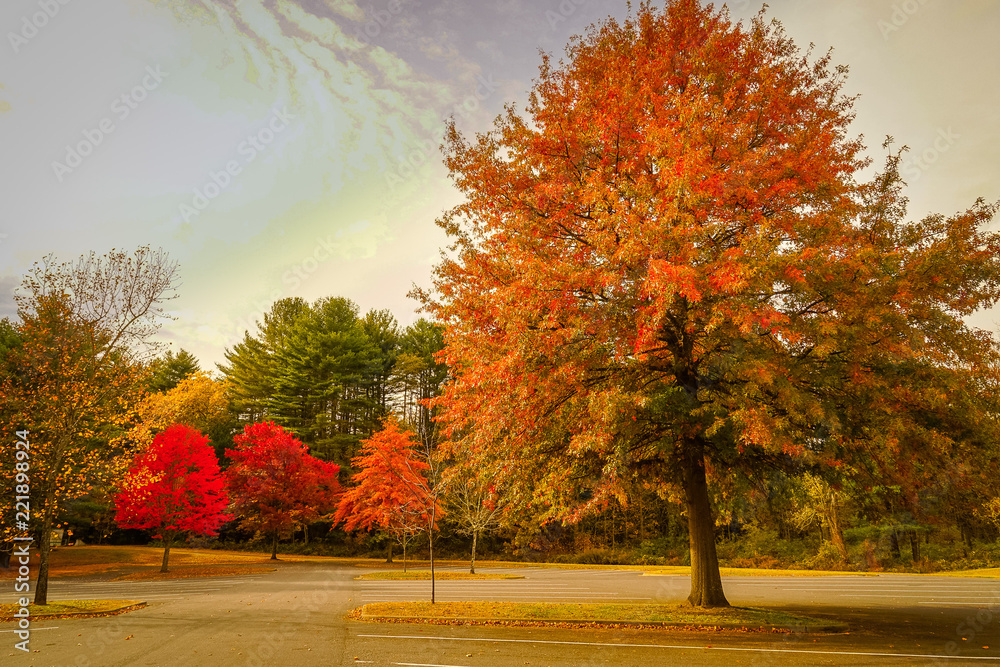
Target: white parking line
47	627
540	591
582	594
523	596
427	584
681	647
852	591
983	603
498	596
509	597
133	590
946	594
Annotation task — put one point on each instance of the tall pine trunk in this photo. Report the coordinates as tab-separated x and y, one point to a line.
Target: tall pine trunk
894	544
706	581
914	546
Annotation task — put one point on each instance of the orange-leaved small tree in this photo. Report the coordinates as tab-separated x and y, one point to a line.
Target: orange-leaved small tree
391	489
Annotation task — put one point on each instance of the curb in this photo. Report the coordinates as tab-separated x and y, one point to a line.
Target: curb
803	629
83	614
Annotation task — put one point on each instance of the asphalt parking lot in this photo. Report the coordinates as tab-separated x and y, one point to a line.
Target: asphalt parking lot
296	616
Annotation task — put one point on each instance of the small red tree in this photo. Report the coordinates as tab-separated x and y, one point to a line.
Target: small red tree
391	490
174	487
275	483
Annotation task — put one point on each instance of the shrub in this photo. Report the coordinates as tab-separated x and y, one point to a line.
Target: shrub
826	558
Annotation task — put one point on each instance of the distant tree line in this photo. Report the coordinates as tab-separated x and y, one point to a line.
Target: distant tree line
330	376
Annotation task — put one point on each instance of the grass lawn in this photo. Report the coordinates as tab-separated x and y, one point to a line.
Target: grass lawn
989	573
72	608
124	563
421	575
584	613
648	570
141	563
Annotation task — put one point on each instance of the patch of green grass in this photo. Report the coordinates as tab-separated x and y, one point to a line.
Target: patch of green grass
68	608
422	575
729	617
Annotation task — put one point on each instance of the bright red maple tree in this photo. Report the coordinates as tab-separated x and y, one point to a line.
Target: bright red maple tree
276	484
391	491
174	487
670	270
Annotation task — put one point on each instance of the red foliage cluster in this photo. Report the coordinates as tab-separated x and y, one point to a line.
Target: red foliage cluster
275	483
174	486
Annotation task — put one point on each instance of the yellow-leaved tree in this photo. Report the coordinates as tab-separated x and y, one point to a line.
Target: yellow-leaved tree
75	375
198	401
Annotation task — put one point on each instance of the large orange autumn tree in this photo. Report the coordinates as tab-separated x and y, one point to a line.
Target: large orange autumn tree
670	270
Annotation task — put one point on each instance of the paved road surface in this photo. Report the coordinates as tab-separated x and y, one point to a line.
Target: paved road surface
295	617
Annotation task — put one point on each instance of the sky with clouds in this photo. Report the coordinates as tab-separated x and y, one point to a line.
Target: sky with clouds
281	148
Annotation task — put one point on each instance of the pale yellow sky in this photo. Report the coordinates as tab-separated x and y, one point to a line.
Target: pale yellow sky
290	148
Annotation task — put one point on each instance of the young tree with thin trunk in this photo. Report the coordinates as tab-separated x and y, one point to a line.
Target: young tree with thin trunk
77	372
474	504
275	484
174	488
669	267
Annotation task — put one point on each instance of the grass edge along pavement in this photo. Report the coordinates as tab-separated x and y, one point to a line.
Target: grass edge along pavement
591	614
72	609
126	561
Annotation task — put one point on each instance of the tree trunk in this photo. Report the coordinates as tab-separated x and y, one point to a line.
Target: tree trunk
706	581
894	544
472	567
914	546
388	558
642	522
404	554
274	546
836	532
42	583
168	538
430	545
